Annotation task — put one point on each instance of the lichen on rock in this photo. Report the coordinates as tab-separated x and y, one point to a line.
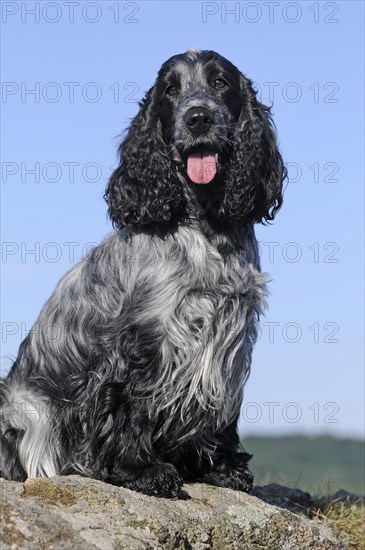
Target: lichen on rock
80	513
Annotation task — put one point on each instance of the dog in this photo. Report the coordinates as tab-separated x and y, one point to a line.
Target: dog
134	371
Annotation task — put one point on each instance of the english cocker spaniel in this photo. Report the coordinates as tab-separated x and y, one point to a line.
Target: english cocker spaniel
133	373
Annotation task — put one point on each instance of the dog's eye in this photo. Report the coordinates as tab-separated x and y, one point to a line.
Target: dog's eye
220	83
171	90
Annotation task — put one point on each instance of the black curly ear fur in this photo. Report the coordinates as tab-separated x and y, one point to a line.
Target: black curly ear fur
255	175
142	189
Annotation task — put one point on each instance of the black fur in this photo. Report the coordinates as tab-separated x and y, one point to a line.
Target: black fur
145	189
133	373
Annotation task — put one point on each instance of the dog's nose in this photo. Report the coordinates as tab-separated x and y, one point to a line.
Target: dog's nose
198	120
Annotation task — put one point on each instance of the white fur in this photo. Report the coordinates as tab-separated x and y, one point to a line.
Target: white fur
27	412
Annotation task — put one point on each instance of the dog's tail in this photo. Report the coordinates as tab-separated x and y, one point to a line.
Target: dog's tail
28	442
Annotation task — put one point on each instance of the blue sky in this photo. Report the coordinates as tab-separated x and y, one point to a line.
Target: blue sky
88	63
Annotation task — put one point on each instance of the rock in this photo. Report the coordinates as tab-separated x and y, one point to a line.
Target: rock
339	497
291	499
83	514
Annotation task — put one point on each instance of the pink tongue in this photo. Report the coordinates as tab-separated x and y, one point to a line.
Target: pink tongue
201	167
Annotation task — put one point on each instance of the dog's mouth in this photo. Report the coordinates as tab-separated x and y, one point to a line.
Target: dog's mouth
201	166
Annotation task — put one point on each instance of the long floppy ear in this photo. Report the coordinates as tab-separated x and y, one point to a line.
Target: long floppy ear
255	176
142	190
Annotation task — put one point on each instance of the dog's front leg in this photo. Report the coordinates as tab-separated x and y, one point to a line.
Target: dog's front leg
229	465
121	444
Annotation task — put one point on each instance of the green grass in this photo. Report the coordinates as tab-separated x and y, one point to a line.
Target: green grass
320	465
347	518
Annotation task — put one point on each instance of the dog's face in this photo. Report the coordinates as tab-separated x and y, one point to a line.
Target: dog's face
200	133
200	101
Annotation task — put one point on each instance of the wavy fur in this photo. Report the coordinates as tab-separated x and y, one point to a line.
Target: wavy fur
135	368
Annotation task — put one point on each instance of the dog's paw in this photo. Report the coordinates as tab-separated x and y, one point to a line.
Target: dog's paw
232	474
158	480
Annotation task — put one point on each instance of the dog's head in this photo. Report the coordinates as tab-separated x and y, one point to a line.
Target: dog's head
200	132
